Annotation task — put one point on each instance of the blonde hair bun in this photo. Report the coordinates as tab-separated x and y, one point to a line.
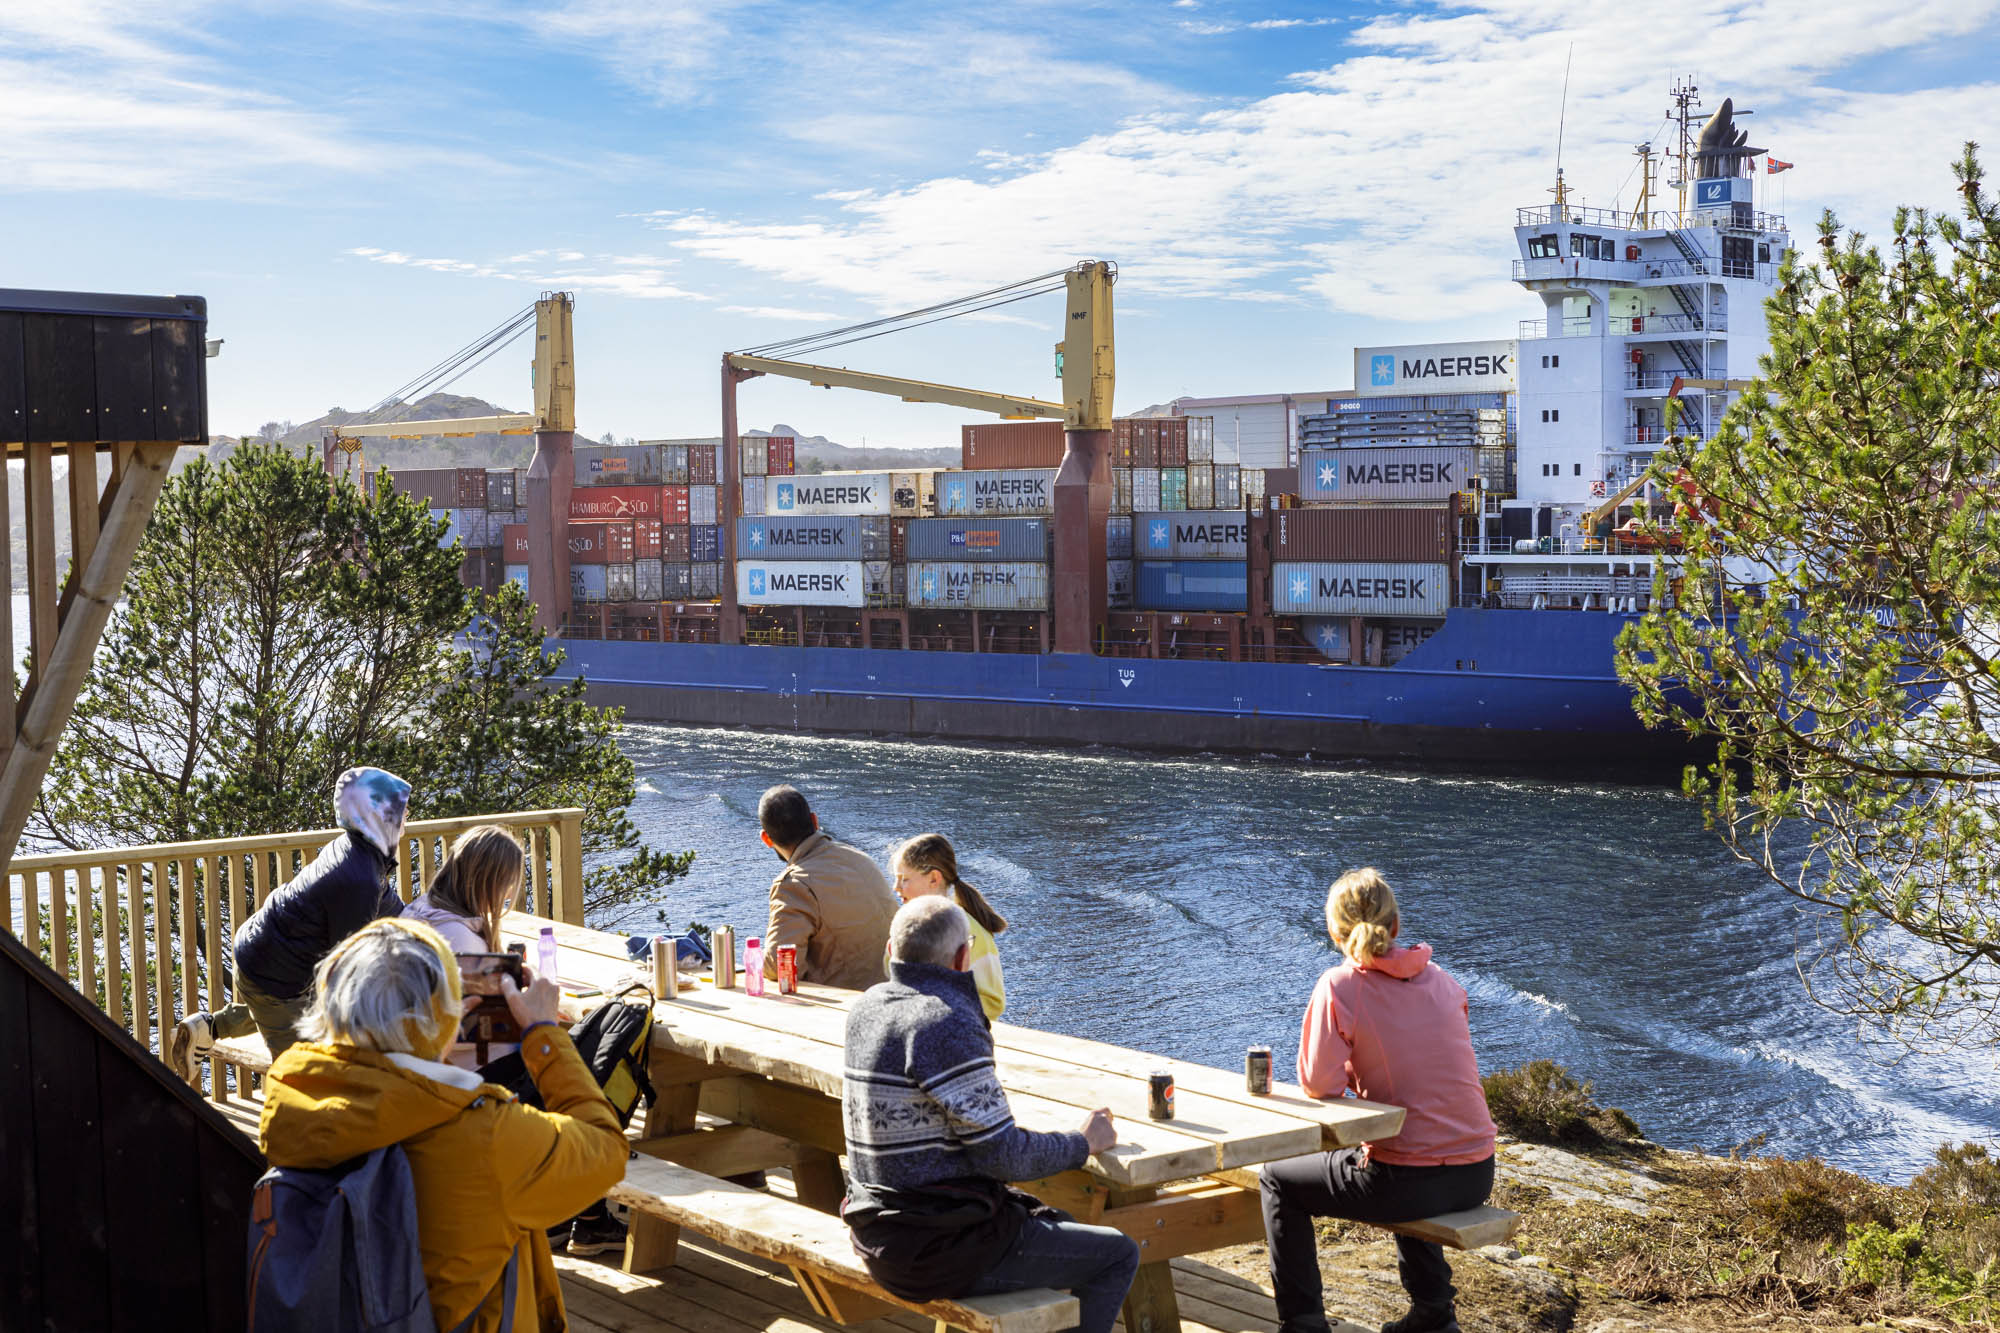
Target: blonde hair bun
1361	914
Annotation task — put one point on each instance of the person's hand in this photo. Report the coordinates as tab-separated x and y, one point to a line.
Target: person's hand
536	1004
1098	1131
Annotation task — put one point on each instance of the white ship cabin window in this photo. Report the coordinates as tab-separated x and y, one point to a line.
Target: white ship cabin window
1543	247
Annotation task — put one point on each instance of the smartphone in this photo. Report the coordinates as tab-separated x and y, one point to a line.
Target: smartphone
487	1019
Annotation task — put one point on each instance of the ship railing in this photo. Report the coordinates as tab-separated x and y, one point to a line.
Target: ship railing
1667	219
1563	328
1649	379
1710	321
1550	546
143	932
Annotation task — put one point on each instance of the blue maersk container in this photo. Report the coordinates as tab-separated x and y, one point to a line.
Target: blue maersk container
1191	585
787	537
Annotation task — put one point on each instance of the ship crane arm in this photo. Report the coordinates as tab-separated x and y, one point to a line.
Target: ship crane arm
910	391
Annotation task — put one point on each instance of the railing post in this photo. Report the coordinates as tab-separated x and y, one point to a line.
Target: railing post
569	871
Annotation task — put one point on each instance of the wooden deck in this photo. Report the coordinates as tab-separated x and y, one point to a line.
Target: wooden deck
714	1289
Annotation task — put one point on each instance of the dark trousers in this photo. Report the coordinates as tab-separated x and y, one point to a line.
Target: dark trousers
1344	1184
1095	1264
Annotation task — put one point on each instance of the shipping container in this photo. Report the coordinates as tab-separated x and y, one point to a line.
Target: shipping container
500	489
1385	474
800	583
517	574
1011	444
621	583
969	585
754	494
469	527
899	540
781	456
702	470
833	538
647	585
472	488
604	503
1118	537
619	545
586	543
673	472
617	465
674	504
1021	491
875	537
702	505
1121	442
1145	443
1201	485
472	569
586	583
1173	488
676	543
1250	483
1173	441
1200	440
705	582
880	585
906	496
1190	585
1228	486
1145	489
497	523
646	537
756	456
676	581
857	493
704	542
1400	638
982	539
1363	532
514	543
1118	582
437	487
1192	535
1121	490
1357	588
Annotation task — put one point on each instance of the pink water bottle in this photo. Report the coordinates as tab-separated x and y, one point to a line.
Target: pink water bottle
753	966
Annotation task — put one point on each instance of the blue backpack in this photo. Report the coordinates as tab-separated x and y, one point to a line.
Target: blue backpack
336	1250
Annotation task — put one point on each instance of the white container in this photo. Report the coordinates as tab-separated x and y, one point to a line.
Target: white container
906	495
838	493
586	583
518	574
801	583
648	583
1118	580
701	505
1121	490
1145	489
1419	473
966	585
875	576
1201	440
449	517
756	456
754	489
620	584
1201	486
1189	535
1020	491
1360	588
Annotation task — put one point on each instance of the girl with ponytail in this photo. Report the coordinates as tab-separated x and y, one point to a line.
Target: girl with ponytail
927	865
1386	1025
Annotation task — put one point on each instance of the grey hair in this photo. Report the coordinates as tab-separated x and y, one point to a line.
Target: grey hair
930	929
382	989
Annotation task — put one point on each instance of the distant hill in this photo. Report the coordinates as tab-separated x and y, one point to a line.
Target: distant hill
816	453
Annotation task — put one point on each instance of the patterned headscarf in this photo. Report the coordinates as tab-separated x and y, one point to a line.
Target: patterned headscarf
370	803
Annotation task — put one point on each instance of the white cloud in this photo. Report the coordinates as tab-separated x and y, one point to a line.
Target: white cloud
636	276
1385	184
779	312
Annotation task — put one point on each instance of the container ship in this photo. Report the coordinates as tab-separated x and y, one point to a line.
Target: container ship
1433	565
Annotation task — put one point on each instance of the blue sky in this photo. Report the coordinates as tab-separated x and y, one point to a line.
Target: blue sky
360	186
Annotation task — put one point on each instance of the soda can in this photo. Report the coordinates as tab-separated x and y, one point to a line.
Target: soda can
723	946
1257	1070
788	969
666	967
1160	1095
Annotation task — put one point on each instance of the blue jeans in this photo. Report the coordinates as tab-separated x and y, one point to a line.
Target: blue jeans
1095	1264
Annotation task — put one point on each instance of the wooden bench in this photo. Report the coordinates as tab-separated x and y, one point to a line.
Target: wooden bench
1469	1230
245	1052
816	1247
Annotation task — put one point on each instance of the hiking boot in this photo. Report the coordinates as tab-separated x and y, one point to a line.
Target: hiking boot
596	1235
191	1039
1425	1319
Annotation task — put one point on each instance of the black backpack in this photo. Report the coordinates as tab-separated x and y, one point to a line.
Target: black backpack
616	1041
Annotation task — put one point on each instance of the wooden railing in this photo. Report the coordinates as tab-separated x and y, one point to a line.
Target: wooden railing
138	930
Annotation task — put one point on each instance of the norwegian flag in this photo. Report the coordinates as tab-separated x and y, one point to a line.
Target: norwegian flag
1772	166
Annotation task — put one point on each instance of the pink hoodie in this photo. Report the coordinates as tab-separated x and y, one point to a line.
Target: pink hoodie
1396	1030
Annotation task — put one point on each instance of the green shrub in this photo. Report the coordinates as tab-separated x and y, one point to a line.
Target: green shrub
1542	1102
1960	1196
1808	1204
1900	1259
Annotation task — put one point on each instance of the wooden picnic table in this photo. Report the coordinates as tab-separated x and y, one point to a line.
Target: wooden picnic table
771	1067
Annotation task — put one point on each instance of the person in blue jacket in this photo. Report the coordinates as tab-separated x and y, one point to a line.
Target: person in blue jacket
351	883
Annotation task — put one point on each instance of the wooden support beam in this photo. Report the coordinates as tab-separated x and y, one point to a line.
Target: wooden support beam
46	702
38	500
83	515
652	1242
727	1150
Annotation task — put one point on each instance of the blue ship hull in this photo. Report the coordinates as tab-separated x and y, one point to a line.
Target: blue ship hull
1520	688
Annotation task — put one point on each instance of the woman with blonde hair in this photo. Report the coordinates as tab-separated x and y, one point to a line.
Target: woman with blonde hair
1386	1025
926	865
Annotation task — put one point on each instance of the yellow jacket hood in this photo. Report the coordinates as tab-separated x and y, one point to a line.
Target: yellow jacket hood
324	1105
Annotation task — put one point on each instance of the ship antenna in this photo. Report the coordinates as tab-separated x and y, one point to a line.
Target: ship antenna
1561	191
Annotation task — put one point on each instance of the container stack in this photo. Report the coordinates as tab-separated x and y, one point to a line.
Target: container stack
1466	421
643	523
979	564
763	457
1190	561
477	506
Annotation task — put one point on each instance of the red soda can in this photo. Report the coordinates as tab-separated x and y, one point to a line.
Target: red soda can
788	969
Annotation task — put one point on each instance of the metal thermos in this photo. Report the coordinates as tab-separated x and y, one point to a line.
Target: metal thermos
666	967
723	944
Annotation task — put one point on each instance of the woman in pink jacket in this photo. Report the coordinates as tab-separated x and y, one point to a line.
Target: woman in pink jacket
1387	1025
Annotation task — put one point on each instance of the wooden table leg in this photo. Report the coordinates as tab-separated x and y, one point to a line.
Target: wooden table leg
1151	1306
651	1243
817	1179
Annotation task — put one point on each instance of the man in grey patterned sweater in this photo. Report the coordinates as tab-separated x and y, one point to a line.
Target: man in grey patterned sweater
931	1143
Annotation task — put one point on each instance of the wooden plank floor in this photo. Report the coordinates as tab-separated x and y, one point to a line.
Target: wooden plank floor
714	1289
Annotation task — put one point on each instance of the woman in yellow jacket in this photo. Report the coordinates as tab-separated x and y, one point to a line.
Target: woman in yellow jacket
490	1173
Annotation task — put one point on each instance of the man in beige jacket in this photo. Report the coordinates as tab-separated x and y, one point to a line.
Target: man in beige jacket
831	902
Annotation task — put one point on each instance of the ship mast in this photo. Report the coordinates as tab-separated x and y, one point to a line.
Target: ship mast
1648	165
1683	113
1561	191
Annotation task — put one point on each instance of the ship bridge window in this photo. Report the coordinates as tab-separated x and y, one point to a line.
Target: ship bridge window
1543	247
1591	247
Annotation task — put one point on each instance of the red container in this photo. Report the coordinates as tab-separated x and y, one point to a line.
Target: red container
1146	443
1173	441
674	505
899	539
1122	431
674	544
1372	533
618	544
783	455
436	487
471	488
701	464
603	503
646	539
1011	444
514	542
586	543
